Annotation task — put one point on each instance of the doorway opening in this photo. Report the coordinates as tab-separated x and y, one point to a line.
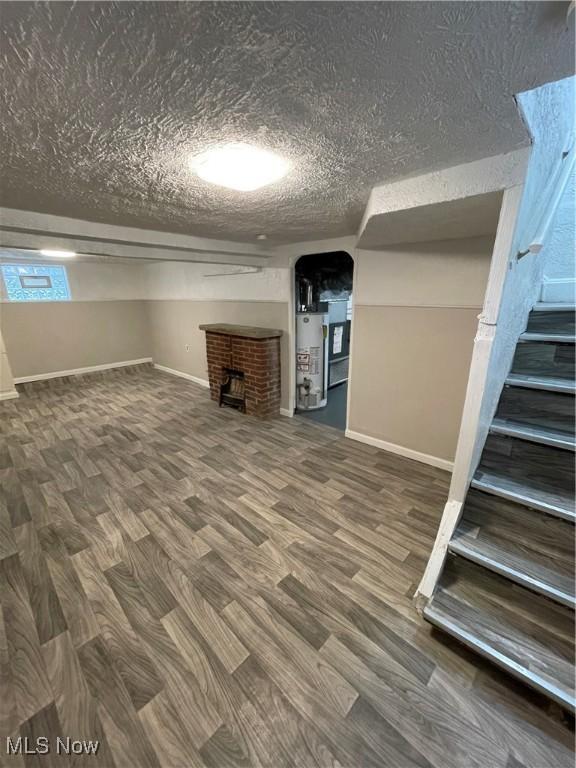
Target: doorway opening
323	326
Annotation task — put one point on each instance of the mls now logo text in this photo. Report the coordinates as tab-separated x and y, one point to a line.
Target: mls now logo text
44	746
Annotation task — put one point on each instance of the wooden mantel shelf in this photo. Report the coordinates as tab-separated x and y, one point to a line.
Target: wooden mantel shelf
245	331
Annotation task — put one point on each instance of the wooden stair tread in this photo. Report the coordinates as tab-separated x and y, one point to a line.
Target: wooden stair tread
552	319
512	563
551	383
522	493
538	408
534	433
539	476
543	538
524	633
553	306
560	338
466	629
545	353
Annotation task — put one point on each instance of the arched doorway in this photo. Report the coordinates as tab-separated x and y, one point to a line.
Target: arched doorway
323	292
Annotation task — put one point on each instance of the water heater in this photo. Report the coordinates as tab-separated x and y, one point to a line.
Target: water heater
311	360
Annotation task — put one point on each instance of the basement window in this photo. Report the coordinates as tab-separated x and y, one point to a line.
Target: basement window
35	282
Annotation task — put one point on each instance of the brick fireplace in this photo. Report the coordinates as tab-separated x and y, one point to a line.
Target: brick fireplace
254	352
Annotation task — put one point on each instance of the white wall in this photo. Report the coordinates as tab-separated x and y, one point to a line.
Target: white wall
560	252
215	282
461	181
124	281
91	281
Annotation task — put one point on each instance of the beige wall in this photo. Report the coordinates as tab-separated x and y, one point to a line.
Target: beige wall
174	325
105	321
45	337
444	273
414	322
409	375
122	312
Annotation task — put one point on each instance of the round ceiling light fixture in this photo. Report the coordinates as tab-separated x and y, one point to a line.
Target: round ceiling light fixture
239	166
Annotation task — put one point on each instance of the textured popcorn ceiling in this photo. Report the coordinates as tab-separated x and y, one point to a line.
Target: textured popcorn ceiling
104	103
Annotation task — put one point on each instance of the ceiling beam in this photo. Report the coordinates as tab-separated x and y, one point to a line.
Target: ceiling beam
30	230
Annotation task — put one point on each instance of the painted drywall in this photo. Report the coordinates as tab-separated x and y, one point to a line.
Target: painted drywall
443	273
409	372
414	320
217	282
105	322
46	337
106	282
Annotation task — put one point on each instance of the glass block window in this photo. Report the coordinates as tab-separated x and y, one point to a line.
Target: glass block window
35	282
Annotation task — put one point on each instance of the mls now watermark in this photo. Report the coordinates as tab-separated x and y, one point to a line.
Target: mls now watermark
44	746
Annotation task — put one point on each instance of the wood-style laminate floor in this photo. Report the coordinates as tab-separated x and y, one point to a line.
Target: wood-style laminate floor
192	587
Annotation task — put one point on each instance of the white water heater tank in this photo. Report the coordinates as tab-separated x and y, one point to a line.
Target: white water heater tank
311	360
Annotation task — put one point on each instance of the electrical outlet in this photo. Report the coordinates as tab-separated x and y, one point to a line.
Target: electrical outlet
187	347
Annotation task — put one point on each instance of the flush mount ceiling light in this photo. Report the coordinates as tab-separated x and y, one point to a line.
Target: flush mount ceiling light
58	254
239	166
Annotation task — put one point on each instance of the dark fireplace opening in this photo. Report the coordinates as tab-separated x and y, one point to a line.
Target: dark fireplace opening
232	389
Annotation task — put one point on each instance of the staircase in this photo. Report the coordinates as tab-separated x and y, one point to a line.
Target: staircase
507	588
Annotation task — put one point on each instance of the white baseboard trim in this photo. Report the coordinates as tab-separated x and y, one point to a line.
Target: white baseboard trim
78	371
559	290
287	412
10	394
408	453
182	375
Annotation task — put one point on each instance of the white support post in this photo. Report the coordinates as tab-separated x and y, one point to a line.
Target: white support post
472	432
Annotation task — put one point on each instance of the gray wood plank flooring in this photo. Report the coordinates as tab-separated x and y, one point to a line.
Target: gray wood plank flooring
194	587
